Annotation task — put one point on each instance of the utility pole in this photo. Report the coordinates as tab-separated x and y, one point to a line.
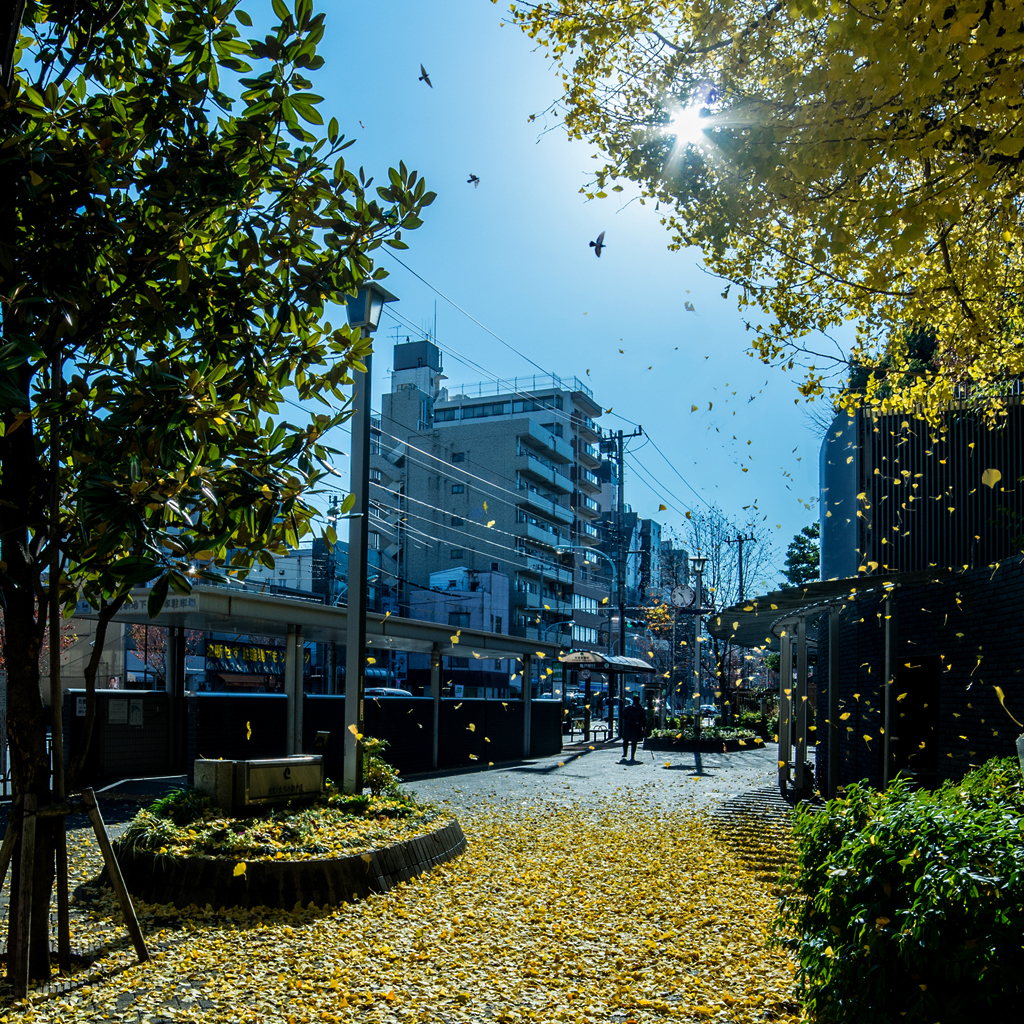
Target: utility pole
620	515
739	540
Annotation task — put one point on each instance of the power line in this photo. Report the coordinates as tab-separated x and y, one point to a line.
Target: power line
483	327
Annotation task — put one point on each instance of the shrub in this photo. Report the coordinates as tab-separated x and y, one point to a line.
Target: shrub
182	806
908	905
378	774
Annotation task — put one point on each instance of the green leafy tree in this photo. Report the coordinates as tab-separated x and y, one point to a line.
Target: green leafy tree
176	222
803	556
834	161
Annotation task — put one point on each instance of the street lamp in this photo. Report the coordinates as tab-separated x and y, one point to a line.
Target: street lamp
364	309
698	562
544	633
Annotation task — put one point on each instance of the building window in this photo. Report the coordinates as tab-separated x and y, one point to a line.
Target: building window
445	415
497	629
458	488
458	662
458	456
474	412
458	619
584	634
375	476
457	521
456	553
373	540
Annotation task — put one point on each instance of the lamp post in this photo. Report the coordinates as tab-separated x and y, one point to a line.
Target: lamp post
544	635
364	311
615	586
698	562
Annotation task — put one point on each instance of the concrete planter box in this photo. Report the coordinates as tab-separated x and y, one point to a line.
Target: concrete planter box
286	883
705	746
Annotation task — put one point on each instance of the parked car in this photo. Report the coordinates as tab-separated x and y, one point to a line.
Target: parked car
386	691
709	711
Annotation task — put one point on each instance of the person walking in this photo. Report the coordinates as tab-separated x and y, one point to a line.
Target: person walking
634	728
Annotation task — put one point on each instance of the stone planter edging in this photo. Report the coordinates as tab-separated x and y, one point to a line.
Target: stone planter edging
286	883
705	746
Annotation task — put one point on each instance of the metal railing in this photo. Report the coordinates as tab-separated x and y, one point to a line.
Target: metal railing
538	382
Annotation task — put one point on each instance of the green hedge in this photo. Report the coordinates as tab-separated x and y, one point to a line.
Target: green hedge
908	906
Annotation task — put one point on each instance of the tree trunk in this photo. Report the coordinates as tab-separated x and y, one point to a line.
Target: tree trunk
24	499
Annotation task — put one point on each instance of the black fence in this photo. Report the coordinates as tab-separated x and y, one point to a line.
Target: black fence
131	733
132	736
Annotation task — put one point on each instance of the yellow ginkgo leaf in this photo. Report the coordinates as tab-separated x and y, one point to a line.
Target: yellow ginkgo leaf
991	477
239	869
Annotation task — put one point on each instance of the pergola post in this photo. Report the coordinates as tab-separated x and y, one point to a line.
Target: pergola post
527	683
293	672
435	693
785	702
834	734
801	703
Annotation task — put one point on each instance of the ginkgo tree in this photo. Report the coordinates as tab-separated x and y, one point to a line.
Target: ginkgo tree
835	161
176	220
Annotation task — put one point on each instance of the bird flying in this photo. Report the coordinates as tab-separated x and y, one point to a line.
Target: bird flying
473	180
598	245
424	77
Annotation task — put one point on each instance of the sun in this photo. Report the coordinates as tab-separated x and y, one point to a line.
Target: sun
688	124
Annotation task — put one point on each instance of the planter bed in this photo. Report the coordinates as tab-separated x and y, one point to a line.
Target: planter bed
183	881
705	746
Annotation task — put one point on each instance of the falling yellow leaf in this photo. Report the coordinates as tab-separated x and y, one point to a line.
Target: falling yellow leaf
239	869
991	477
471	727
1002	700
473	757
248	731
663	508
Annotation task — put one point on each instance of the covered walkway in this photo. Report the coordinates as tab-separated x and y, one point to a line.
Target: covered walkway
225	609
777	621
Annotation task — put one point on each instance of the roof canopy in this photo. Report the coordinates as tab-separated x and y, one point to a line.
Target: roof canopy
753	623
606	662
225	610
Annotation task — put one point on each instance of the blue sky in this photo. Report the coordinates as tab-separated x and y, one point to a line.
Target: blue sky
514	254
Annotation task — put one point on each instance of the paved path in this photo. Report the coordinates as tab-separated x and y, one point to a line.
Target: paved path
581	776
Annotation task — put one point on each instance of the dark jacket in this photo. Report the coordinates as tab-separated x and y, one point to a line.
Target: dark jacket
634	722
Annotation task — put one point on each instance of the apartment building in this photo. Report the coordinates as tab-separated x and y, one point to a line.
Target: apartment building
500	478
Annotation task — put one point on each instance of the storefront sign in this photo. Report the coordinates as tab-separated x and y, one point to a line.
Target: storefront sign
244	658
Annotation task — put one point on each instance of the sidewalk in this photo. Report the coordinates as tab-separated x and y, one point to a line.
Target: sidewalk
582	776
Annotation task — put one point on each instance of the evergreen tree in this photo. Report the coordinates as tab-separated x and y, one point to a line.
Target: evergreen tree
803	556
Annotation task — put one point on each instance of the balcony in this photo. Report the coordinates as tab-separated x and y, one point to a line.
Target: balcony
588	534
533	501
538	602
586	480
586	506
588	429
533	435
530	463
545	570
587	454
544	535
